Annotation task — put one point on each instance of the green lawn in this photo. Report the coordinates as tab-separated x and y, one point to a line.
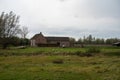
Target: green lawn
42	67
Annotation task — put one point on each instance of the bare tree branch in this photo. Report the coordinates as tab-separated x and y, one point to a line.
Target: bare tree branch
9	27
24	31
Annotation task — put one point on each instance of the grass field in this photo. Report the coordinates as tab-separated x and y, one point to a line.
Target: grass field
57	51
41	64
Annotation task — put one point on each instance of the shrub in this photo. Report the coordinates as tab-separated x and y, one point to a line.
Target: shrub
58	61
82	54
93	50
78	53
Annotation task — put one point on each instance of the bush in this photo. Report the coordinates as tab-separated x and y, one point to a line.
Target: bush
78	53
58	61
93	50
82	54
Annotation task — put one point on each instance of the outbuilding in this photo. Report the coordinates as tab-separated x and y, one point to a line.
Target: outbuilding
47	41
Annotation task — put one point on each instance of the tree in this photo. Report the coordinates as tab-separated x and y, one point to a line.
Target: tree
9	28
90	39
24	42
112	40
24	31
80	40
72	41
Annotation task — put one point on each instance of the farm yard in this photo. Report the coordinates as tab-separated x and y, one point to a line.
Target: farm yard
54	63
59	39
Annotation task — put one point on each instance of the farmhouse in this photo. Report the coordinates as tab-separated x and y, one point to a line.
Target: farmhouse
44	41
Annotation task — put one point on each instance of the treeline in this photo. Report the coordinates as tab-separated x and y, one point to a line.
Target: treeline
16	41
10	31
93	40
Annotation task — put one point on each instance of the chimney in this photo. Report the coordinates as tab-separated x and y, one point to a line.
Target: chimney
40	32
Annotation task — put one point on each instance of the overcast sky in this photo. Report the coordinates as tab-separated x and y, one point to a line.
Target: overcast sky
73	18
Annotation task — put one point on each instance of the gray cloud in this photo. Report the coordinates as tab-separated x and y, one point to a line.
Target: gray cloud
67	17
105	8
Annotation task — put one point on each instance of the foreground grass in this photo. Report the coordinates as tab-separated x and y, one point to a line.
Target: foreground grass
40	50
60	64
113	51
72	68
